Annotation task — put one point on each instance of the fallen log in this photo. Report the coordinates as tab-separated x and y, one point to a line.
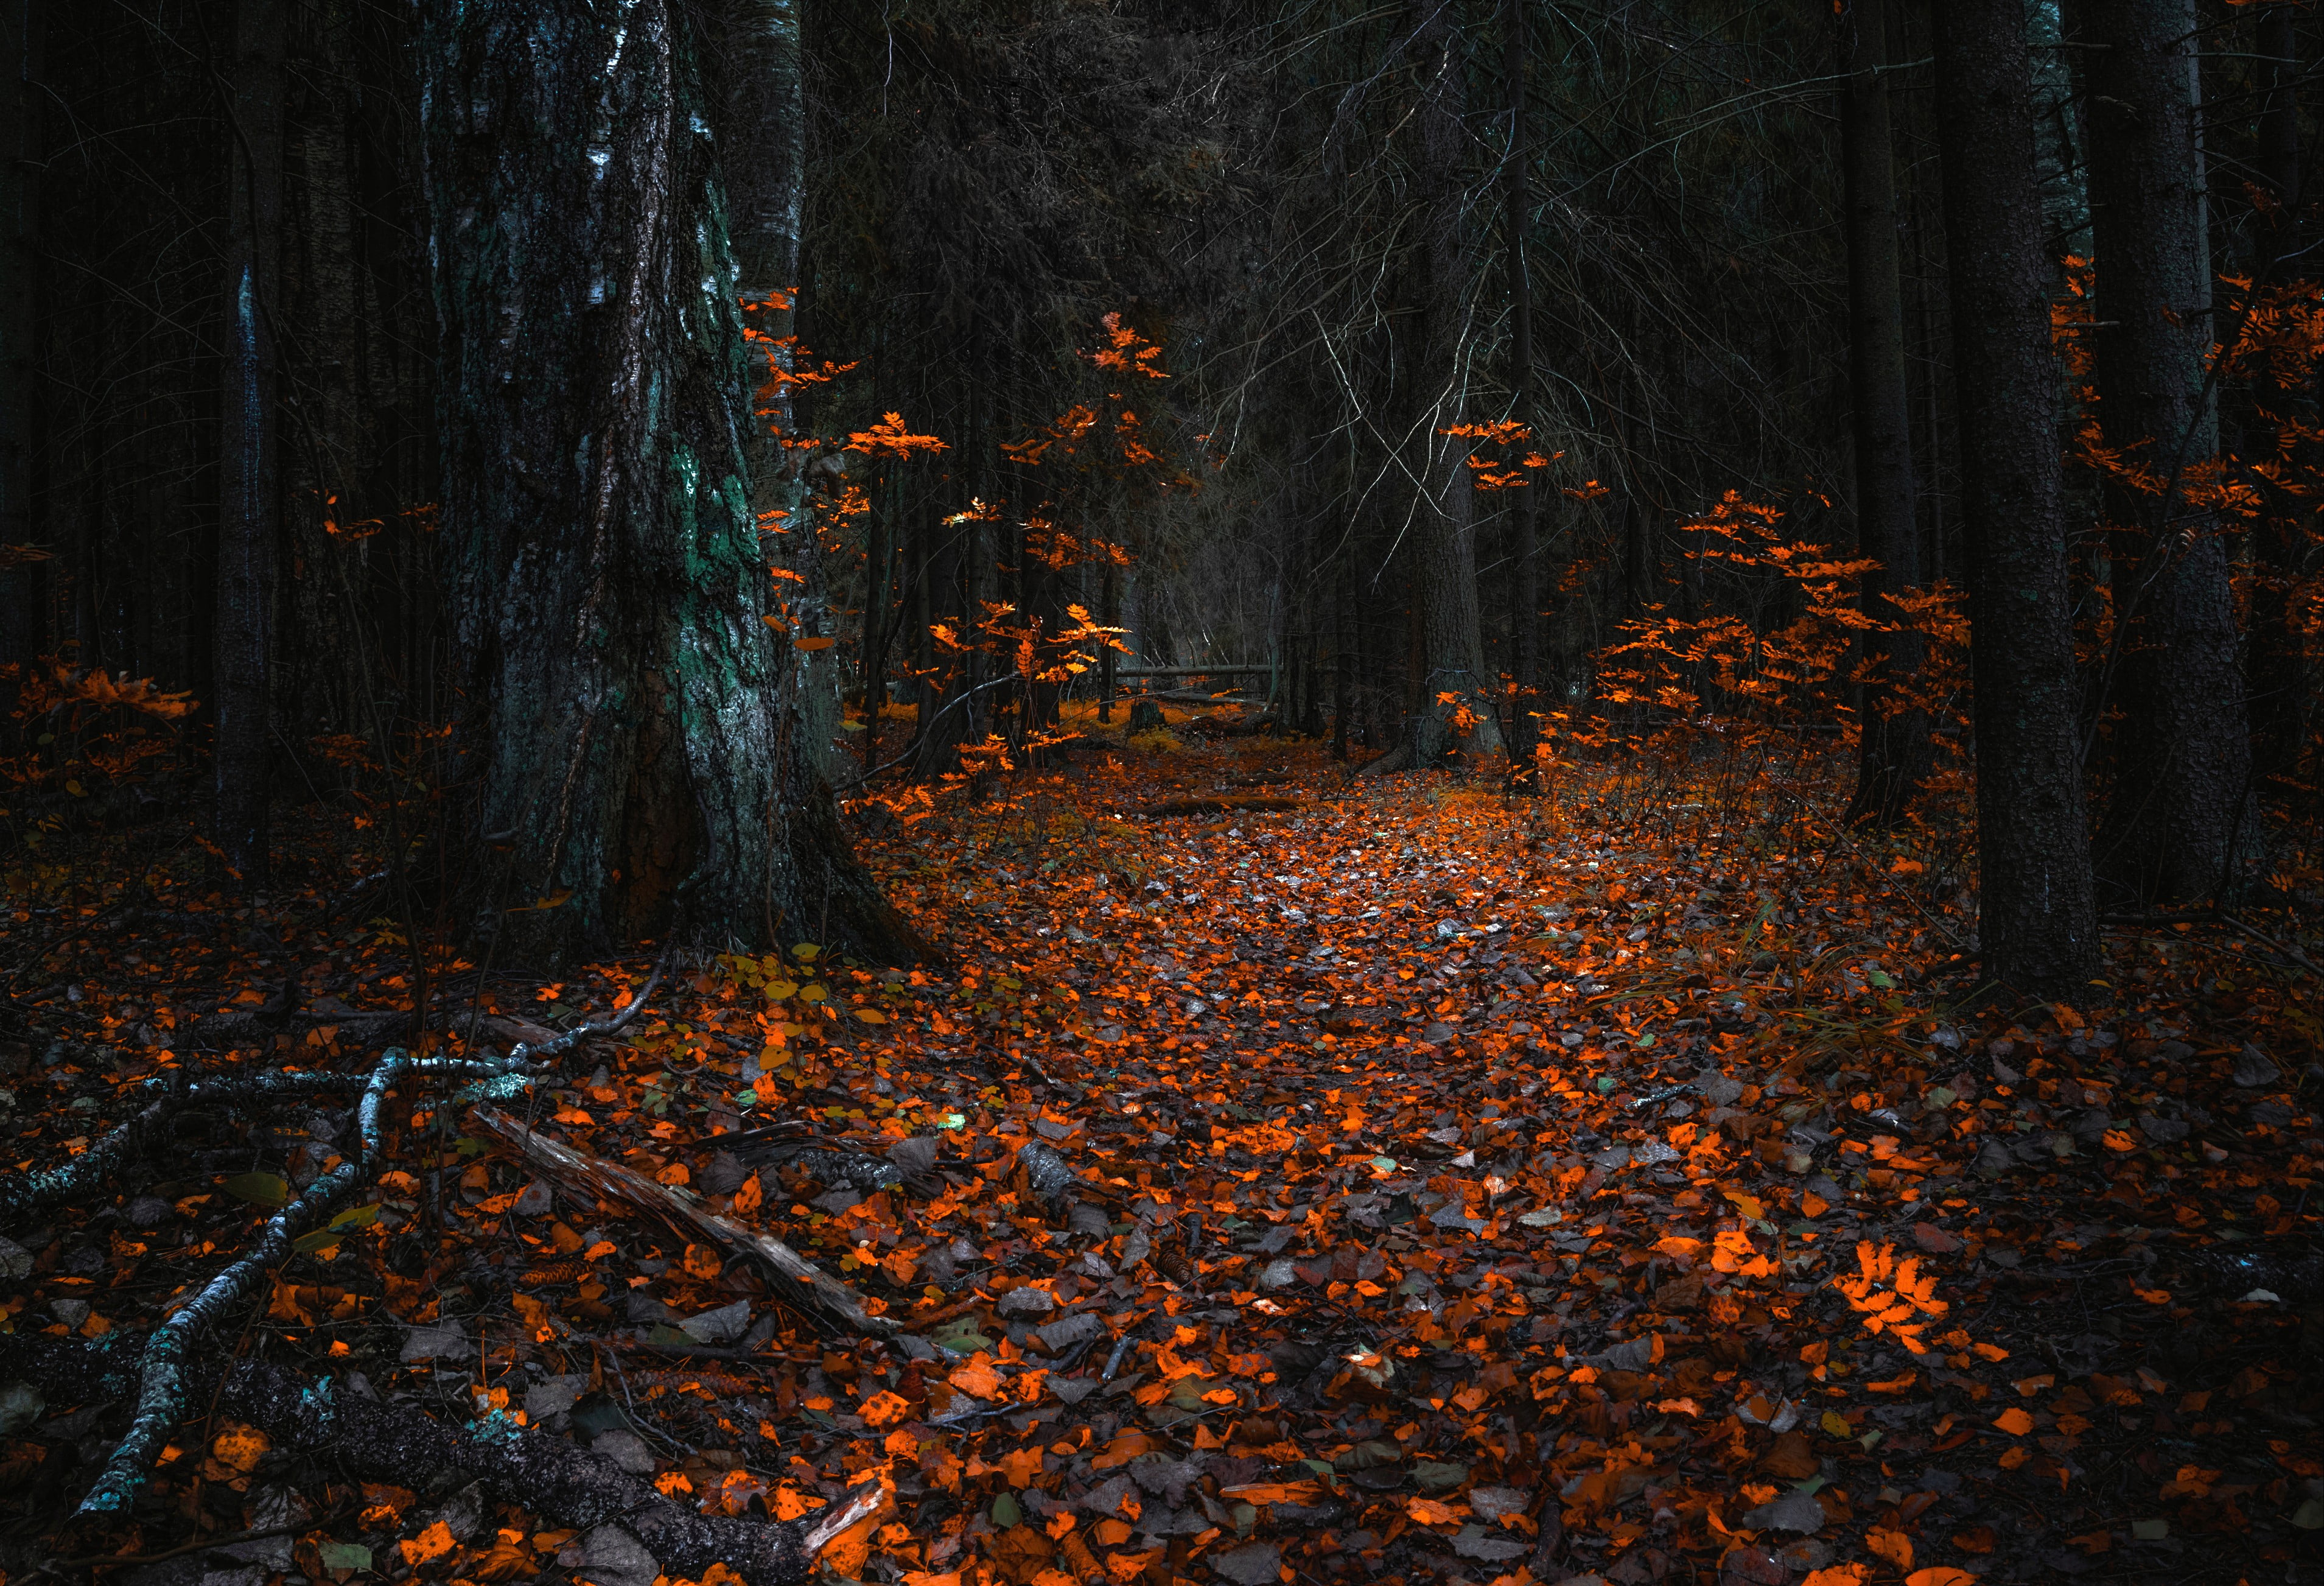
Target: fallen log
582	1173
1215	803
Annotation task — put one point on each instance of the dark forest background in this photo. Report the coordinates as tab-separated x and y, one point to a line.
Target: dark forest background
1542	380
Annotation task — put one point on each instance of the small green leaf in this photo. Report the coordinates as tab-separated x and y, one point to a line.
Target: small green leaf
344	1555
804	952
469	1145
1006	1512
356	1217
1880	979
2310	1516
260	1189
307	1244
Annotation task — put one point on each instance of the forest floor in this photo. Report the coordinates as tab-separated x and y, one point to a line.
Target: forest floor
1336	1181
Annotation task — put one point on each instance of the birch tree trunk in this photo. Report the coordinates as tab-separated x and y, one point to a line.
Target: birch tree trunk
2037	923
250	517
629	740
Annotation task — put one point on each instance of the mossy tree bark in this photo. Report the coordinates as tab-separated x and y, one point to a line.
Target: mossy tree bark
633	750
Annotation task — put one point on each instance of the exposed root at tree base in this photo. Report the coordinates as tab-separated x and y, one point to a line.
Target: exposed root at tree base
625	1523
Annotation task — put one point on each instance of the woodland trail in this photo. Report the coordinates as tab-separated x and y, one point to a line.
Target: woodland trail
1407	1184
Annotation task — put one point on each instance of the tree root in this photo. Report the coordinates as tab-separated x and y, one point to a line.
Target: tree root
25	1194
1396	760
589	1176
168	1354
544	1474
161	1391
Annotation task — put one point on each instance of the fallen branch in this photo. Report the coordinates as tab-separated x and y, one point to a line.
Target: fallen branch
1219	803
585	1175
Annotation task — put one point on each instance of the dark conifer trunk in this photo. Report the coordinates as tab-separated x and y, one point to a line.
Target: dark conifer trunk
2037	921
2283	703
629	738
1451	649
1526	585
250	461
20	191
1895	756
2180	754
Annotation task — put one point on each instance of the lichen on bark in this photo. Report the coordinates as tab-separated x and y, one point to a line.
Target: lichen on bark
630	742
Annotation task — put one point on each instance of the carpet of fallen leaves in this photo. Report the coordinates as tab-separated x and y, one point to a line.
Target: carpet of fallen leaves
1352	1181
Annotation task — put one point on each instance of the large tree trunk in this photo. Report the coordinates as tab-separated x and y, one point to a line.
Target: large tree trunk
1526	585
1452	681
1895	752
21	625
2037	925
250	484
2182	755
629	735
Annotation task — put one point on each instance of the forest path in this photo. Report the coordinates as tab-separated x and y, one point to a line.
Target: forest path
1408	1182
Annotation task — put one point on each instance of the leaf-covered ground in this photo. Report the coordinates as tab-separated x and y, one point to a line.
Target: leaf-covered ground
1350	1181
